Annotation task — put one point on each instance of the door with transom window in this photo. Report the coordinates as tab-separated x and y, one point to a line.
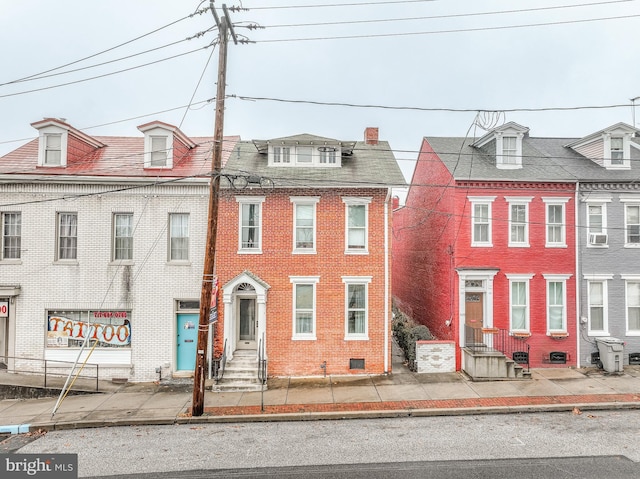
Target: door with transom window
247	322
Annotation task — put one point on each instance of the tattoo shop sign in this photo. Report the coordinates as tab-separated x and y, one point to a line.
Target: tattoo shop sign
62	329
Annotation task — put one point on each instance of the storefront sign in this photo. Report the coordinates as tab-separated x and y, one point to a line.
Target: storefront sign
4	309
115	334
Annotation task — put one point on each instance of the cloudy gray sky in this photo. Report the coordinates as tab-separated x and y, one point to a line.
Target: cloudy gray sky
428	57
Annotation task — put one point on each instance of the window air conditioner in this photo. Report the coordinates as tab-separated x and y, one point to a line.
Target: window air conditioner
598	238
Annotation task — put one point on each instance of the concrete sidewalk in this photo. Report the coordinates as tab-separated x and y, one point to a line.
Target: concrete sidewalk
401	393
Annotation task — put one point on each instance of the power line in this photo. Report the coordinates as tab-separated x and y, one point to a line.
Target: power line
105	74
361	4
100	52
457	30
429	109
439	17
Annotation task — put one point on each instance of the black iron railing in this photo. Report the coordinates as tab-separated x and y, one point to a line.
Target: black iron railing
481	340
48	370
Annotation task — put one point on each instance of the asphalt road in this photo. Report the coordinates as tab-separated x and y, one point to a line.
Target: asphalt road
533	445
543	468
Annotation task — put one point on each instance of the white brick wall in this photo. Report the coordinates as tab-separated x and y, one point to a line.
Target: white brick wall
436	356
94	283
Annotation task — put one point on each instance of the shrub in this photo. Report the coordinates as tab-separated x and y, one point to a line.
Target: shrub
406	333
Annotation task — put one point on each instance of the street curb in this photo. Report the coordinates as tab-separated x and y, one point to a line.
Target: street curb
330	415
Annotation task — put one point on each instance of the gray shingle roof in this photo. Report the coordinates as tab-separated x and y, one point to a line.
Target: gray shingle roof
543	159
368	166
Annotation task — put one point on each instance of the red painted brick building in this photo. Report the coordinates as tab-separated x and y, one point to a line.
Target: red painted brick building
486	244
303	254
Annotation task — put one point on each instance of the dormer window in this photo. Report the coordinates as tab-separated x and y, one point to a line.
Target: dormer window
617	150
281	154
52	149
161	142
158	152
506	142
508	150
304	155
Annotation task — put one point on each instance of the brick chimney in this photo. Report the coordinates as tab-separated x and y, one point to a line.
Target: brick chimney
371	136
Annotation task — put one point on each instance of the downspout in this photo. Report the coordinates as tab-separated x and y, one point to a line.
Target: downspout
387	283
578	238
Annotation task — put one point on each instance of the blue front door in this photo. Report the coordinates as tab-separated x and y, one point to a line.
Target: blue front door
187	341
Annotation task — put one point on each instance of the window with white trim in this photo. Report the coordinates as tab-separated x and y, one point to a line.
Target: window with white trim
250	224
617	150
179	237
159	151
309	155
356	306
123	236
519	302
597	302
356	225
555	222
11	235
519	221
481	220
67	236
52	146
281	154
632	225
52	149
556	303
632	302
304	223
304	306
509	150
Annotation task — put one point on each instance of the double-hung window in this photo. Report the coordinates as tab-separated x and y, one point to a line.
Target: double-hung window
282	154
159	152
179	237
304	223
617	150
250	224
509	150
481	220
632	290
123	237
556	303
304	306
356	306
52	149
555	222
11	235
519	302
357	225
597	221
597	303
519	220
67	236
632	225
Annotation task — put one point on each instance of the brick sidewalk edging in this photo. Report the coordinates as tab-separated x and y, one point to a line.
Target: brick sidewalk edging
467	403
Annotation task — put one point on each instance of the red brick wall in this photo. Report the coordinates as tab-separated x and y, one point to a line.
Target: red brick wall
432	239
76	149
277	263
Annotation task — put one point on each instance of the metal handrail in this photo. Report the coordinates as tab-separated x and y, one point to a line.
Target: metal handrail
479	340
262	363
47	365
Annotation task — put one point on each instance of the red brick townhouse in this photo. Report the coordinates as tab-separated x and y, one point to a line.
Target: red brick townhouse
484	250
304	254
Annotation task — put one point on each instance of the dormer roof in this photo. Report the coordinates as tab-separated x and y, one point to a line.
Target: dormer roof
305	139
618	128
59	123
510	127
177	133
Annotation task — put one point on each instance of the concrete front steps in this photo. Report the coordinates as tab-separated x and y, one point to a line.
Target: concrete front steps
491	365
240	373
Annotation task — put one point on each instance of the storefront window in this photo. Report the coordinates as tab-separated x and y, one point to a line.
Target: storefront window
68	329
